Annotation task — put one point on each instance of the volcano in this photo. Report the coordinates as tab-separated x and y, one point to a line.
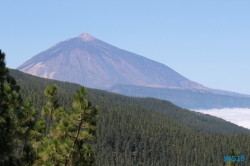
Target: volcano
91	62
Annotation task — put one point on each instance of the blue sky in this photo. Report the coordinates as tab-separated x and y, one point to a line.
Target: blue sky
205	41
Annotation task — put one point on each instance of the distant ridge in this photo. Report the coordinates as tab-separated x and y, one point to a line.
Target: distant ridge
186	98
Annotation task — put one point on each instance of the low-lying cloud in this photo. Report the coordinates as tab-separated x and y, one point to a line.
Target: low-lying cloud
239	116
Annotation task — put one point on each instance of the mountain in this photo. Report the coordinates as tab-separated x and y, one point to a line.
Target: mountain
93	63
96	64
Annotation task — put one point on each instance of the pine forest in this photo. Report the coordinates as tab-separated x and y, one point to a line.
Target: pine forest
41	125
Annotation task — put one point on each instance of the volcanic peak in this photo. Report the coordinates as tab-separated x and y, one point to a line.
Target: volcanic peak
86	37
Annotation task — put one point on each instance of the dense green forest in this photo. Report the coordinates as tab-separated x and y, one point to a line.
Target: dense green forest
147	131
32	86
52	136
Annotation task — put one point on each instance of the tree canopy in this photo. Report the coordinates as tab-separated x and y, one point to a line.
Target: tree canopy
53	136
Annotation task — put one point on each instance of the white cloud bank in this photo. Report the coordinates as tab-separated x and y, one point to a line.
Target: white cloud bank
239	116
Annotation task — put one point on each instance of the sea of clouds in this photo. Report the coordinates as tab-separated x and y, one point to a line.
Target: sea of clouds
239	116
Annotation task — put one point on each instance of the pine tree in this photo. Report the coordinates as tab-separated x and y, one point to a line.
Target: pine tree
27	121
7	105
16	121
68	133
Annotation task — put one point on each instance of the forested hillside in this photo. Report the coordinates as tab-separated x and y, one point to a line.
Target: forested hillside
138	131
32	86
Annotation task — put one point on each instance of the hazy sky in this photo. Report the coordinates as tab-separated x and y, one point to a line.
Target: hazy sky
205	41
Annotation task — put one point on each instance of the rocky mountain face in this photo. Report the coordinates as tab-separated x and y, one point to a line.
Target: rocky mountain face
93	63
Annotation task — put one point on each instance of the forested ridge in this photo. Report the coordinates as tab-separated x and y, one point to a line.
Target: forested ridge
146	131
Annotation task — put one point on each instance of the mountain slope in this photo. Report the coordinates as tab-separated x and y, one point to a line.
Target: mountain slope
137	131
200	122
91	62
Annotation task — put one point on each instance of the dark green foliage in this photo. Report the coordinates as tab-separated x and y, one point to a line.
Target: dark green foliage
16	120
198	121
52	137
6	125
68	133
137	131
